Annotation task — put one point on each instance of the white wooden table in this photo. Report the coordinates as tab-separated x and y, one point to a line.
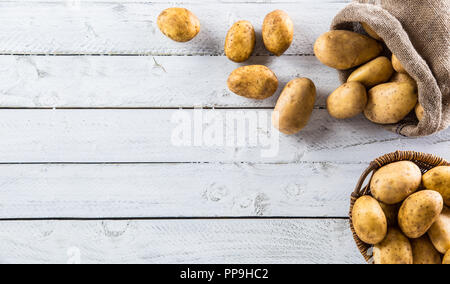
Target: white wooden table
88	89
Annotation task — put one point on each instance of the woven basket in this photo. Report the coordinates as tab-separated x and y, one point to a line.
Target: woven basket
425	162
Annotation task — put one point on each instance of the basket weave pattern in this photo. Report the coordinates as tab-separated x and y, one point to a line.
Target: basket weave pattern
425	162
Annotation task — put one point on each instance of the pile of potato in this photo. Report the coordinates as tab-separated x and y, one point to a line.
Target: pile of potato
407	218
379	87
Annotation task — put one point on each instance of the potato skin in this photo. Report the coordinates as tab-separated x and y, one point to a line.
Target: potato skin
343	50
369	220
373	73
404	78
240	41
347	101
295	106
390	103
424	251
393	183
394	249
371	32
179	24
446	258
253	82
438	179
439	233
397	65
419	212
278	32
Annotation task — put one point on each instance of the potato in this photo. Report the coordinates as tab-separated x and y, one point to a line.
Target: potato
424	251
179	24
253	82
438	179
347	101
394	249
393	183
447	258
397	65
369	220
278	32
404	78
240	41
295	106
371	32
420	112
419	212
391	212
373	73
439	233
343	50
390	103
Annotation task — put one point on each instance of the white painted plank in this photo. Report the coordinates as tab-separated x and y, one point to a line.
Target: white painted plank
195	241
146	136
176	190
75	2
130	28
124	81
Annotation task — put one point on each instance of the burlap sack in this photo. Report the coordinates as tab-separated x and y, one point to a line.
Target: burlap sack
418	33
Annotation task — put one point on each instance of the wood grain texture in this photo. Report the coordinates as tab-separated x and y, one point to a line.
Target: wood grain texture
42	136
68	27
128	81
199	241
176	190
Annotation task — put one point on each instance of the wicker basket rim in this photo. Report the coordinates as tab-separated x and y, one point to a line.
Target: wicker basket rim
424	161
